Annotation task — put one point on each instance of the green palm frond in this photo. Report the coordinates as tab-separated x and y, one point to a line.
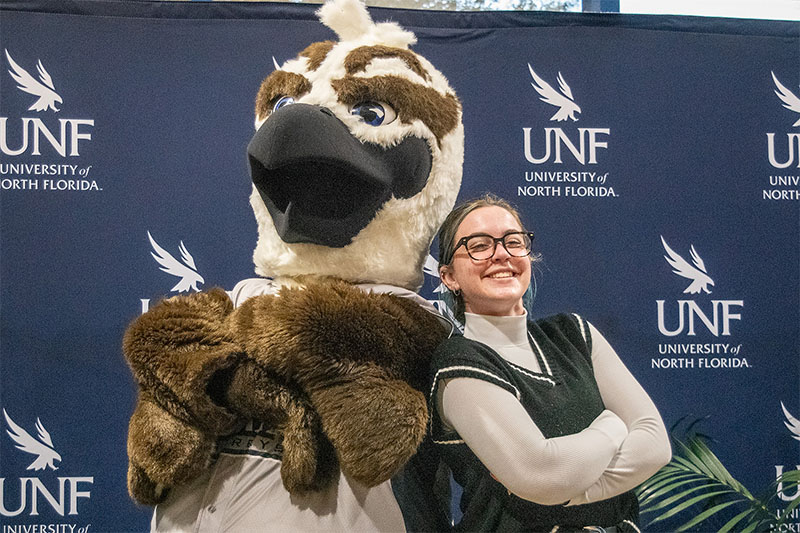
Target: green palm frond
696	481
788	480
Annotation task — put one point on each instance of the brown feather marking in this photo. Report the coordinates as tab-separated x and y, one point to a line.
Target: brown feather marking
410	100
279	83
316	53
358	59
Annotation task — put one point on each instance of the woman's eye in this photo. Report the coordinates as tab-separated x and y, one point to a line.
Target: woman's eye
374	113
478	247
282	101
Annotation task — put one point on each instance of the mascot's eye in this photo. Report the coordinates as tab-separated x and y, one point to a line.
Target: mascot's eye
374	113
282	101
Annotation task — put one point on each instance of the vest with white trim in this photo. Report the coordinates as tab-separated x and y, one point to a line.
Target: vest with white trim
561	400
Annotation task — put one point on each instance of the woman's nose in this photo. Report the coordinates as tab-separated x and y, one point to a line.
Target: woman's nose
500	253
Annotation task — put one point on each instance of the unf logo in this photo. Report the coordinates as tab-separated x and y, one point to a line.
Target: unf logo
793	425
62	496
791	102
691	315
583	147
34	134
184	269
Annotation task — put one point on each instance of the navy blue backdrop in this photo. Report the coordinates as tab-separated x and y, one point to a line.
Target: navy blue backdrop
681	140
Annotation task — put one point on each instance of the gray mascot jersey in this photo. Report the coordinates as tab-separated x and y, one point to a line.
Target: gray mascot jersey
243	491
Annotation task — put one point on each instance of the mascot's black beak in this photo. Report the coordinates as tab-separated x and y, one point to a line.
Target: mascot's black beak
320	183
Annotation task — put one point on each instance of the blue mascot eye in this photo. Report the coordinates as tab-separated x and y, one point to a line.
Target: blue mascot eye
283	101
374	113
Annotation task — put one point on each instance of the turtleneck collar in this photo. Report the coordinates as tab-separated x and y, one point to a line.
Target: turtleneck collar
497	331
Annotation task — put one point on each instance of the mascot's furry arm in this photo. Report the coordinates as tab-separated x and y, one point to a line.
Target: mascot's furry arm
329	364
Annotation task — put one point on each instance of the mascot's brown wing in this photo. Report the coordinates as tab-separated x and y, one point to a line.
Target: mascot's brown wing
328	364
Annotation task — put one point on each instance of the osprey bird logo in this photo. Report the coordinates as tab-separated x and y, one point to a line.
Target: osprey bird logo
789	99
43	88
41	447
184	269
563	100
696	273
431	268
792	423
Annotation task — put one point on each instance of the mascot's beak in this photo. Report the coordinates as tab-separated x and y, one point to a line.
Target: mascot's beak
321	184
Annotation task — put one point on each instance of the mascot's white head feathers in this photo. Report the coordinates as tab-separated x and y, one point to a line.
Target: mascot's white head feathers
310	206
350	20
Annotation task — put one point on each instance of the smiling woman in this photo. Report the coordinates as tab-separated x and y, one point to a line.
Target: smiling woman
490	279
539	421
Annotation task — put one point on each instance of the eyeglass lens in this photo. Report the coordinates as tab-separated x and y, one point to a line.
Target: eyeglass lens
484	246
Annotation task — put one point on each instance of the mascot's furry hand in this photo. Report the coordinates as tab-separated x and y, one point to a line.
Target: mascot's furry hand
328	364
174	427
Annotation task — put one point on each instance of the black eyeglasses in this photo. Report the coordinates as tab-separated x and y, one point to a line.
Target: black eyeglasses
481	246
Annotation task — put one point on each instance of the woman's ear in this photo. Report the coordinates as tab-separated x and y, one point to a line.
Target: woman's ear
446	275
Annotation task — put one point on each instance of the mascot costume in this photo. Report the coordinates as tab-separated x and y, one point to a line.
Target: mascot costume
293	401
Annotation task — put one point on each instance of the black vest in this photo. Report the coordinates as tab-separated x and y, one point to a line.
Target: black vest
563	402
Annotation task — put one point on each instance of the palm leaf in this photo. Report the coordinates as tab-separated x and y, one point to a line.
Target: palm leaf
735	520
705	514
666	502
788	480
685	505
787	512
718	470
664	486
753	526
696	480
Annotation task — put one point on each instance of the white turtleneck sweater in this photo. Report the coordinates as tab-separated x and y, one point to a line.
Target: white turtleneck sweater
623	446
